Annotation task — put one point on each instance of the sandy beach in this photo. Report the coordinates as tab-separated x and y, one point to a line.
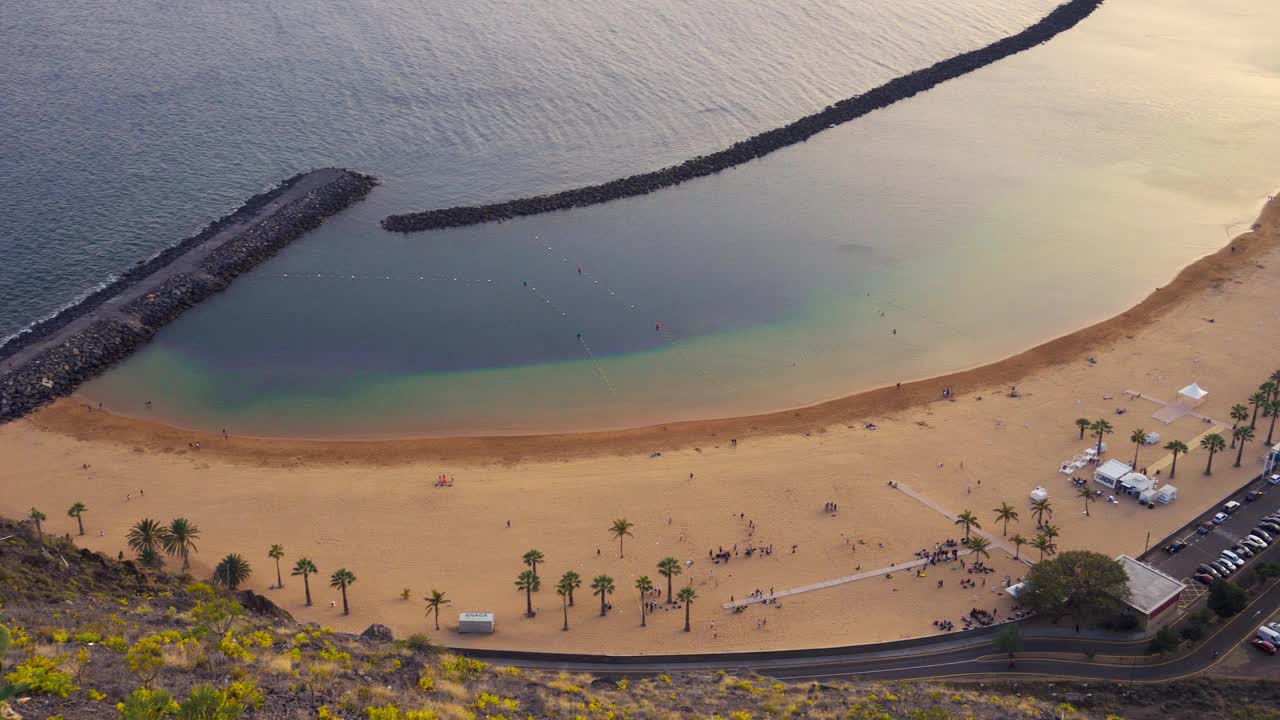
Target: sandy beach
372	506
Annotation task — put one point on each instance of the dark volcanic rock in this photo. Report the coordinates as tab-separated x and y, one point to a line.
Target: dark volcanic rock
260	605
1062	18
377	634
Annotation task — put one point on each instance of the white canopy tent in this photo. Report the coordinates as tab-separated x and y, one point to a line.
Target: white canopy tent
1192	395
1110	472
1167	494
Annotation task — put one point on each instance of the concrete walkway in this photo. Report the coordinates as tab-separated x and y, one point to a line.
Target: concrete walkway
910	565
995	540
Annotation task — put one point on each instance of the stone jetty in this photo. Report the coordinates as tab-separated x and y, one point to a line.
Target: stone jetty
1062	18
54	356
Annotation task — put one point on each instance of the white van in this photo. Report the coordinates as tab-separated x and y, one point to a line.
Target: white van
1266	633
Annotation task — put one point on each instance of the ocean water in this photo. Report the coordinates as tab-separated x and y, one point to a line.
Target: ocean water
1050	190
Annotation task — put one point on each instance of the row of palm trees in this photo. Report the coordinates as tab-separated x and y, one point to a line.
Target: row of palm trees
149	538
1041	510
529	582
76	511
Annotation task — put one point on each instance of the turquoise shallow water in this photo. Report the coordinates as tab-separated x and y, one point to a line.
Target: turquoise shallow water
1019	203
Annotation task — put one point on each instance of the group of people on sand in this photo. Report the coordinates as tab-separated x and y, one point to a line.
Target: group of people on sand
443	480
830	507
942	552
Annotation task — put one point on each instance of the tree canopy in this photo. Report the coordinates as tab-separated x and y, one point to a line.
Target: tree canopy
1079	583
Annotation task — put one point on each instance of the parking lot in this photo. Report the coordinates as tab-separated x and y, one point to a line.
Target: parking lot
1204	548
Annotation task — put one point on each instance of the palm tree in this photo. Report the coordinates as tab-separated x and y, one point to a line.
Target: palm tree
1268	389
1085	493
1257	400
437	600
602	586
1243	434
231	571
77	509
1004	514
146	534
528	582
563	589
305	567
1275	380
1049	531
574	581
980	547
341	579
1272	409
1101	427
967	520
1139	438
532	558
687	596
38	517
275	552
179	539
1239	413
621	528
668	568
1044	545
1083	424
1018	541
1041	509
1177	447
1212	442
151	559
644	586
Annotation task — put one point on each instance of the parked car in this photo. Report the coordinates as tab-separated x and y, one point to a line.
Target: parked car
1175	547
1274	626
1205	579
1274	480
1205	528
1219	518
1253	495
1233	557
1221	567
1263	645
1264	535
1231	507
1242	551
1208	569
1270	527
1231	564
1252	540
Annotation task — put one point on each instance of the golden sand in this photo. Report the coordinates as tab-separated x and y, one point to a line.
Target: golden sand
372	507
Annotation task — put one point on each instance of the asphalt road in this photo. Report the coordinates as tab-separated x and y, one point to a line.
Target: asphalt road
1056	656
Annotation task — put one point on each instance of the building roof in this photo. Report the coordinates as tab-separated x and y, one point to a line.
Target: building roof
1148	587
1114	469
1193	391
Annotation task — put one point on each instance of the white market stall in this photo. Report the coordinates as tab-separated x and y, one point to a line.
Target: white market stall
1110	472
1134	484
1167	494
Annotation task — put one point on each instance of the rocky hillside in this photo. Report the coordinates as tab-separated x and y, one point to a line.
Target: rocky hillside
93	637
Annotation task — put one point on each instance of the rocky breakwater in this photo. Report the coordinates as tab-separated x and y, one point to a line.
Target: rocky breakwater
82	342
1062	18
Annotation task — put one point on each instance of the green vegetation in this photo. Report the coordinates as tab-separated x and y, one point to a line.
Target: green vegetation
1004	514
669	568
1079	583
276	552
1213	443
687	596
1227	598
306	569
435	601
77	511
531	560
621	528
528	583
967	520
341	579
231	571
602	585
178	540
